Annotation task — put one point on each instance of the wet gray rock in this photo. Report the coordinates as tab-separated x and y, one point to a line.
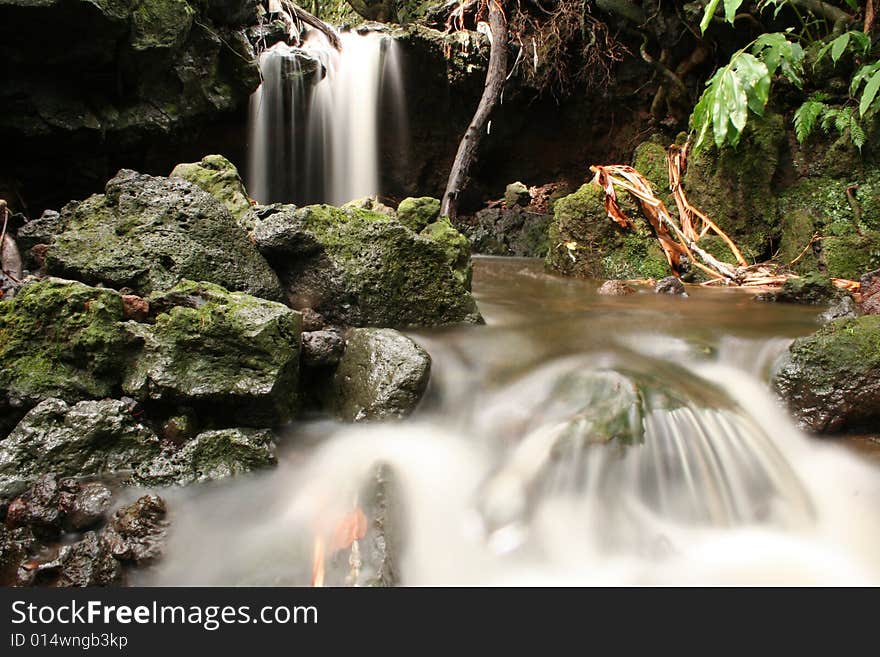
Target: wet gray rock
85	505
382	375
86	439
16	545
322	348
670	285
210	456
842	308
88	562
136	533
148	233
615	288
38	231
831	379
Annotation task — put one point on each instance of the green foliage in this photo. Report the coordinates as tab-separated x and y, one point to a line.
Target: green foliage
743	86
730	7
816	112
858	42
807	116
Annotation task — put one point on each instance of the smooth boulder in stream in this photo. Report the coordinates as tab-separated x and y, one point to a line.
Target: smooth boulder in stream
382	376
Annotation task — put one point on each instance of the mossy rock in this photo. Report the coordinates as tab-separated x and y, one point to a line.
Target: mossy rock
160	24
649	159
225	353
811	289
851	256
736	186
60	339
148	233
361	268
455	245
584	242
416	213
831	379
219	177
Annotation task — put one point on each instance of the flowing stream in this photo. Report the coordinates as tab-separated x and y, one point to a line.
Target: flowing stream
575	439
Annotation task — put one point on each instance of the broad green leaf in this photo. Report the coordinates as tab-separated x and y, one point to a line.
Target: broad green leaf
730	7
754	78
869	93
838	46
707	15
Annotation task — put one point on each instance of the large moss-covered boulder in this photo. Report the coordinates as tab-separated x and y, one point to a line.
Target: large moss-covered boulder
210	456
456	247
831	379
584	242
737	187
231	354
62	339
148	232
219	177
360	268
91	438
382	376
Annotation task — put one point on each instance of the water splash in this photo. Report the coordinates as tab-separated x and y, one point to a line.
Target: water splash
317	120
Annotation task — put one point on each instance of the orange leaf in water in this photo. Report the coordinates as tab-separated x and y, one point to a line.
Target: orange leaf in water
353	527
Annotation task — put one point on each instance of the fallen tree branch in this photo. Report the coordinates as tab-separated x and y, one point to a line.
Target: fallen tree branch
495	76
313	21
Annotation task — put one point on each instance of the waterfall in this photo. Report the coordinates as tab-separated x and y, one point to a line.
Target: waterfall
318	119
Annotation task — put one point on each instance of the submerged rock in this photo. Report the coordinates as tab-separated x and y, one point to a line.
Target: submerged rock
148	233
226	352
382	375
87	439
831	379
210	456
219	177
616	289
670	285
584	242
360	268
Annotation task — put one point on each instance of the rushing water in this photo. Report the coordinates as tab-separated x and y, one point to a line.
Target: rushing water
316	119
504	475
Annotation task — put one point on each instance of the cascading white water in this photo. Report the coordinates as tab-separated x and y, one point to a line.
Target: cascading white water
317	119
504	475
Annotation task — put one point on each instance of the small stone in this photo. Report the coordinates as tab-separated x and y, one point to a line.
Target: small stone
670	285
615	288
135	307
89	503
311	320
136	533
517	194
322	348
179	428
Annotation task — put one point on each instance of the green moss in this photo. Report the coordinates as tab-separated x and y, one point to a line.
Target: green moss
455	245
160	24
61	339
416	213
219	177
736	188
584	242
850	345
649	160
851	256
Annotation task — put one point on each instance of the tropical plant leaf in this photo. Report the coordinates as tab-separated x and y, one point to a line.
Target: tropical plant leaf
856	133
870	93
708	13
730	7
838	46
